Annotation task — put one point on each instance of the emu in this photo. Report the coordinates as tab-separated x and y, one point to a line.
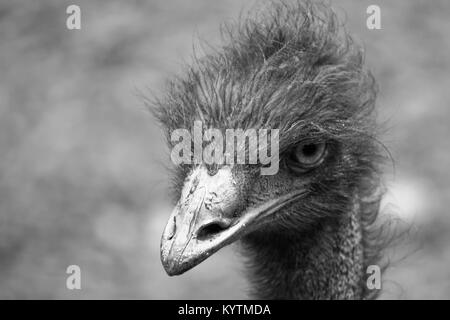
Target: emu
309	231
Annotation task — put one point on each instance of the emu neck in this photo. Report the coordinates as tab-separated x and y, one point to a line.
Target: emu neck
326	263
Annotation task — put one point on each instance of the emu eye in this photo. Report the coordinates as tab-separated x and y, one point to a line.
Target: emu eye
308	155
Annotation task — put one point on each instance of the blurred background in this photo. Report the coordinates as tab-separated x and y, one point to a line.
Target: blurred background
81	179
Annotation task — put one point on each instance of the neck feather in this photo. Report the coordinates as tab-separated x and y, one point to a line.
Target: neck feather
326	263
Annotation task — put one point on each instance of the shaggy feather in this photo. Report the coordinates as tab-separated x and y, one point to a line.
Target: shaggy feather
294	68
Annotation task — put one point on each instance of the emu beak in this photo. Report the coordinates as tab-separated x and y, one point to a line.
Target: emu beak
209	216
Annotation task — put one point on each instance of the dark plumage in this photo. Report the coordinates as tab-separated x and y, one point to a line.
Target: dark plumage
291	67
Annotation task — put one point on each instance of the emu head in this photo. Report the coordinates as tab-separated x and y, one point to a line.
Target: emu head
292	69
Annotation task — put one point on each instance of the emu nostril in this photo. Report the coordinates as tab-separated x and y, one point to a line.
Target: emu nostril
211	229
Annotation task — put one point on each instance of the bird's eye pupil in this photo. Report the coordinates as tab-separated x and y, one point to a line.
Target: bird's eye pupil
309	150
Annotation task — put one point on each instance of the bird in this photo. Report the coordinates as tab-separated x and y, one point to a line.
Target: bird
309	231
